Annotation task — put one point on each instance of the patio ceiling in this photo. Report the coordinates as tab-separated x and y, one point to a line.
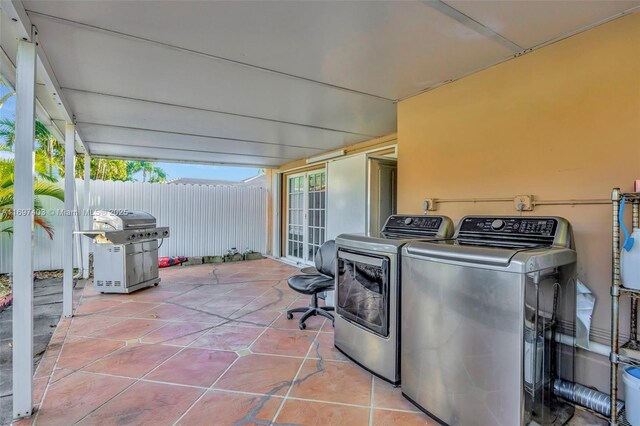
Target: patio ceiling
264	83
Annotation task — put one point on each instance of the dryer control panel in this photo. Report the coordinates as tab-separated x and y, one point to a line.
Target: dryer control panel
544	227
416	226
410	222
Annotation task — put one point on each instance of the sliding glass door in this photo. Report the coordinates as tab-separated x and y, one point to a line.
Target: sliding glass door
306	214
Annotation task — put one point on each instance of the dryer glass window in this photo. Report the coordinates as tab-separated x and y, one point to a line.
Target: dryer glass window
363	289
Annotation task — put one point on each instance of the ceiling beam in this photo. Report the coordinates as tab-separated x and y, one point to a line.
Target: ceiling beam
235	114
14	9
471	23
185	50
196	135
198	151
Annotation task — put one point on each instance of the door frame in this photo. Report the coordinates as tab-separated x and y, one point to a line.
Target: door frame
305	215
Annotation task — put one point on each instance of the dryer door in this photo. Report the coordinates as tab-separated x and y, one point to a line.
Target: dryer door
363	290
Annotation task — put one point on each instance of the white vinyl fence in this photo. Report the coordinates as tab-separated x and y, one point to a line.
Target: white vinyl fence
204	220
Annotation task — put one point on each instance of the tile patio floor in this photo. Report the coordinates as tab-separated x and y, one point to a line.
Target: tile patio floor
209	346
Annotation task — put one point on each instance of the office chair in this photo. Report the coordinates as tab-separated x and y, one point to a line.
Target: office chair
313	284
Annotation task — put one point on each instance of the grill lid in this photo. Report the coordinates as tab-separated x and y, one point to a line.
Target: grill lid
122	219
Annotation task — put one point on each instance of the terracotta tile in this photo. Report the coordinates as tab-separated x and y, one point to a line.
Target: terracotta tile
284	342
173	312
153	294
168	285
228	338
81	351
39	385
333	381
60	373
129	329
209	316
222	312
89	324
45	367
128	309
165	311
393	418
133	361
325	349
288	294
192	298
53	349
240	277
225	301
320	413
176	333
196	367
254	318
313	323
97	304
269	303
260	374
27	421
232	409
163	404
328	326
253	289
75	396
386	396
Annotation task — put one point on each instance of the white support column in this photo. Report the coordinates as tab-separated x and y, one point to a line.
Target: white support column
86	218
69	207
23	231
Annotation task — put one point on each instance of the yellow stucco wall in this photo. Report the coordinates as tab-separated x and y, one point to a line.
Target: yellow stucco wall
562	122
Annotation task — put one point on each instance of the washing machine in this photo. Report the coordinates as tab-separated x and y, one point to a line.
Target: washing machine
480	314
368	288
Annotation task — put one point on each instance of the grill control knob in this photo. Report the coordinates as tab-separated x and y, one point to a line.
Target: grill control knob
497	224
408	221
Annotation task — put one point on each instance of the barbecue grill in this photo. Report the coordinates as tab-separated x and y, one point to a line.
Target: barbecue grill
126	251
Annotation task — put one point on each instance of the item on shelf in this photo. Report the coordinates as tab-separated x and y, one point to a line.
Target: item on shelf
630	255
631	379
585	302
624	354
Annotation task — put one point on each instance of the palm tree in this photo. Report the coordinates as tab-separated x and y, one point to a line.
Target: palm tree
155	173
48	148
42	188
7	95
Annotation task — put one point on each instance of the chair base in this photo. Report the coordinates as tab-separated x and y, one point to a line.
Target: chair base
312	310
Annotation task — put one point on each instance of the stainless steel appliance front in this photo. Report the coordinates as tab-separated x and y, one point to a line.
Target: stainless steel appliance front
367	327
126	250
469	308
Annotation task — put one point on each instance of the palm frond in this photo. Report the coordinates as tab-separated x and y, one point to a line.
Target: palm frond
48	189
6	97
44	224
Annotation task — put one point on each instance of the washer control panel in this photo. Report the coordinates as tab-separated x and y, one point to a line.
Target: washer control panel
413	222
544	227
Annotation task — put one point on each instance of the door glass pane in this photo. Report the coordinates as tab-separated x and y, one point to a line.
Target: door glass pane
362	294
305	224
295	216
316	211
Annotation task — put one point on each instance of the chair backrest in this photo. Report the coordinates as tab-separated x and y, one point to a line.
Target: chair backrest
326	258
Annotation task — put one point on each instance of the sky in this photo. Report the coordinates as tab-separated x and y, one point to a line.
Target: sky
174	170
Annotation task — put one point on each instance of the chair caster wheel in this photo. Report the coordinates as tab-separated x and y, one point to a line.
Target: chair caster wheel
303	326
289	315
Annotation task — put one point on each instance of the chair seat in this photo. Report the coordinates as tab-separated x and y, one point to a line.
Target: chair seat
310	284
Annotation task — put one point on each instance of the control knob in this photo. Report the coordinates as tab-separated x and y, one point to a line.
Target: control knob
408	221
497	224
